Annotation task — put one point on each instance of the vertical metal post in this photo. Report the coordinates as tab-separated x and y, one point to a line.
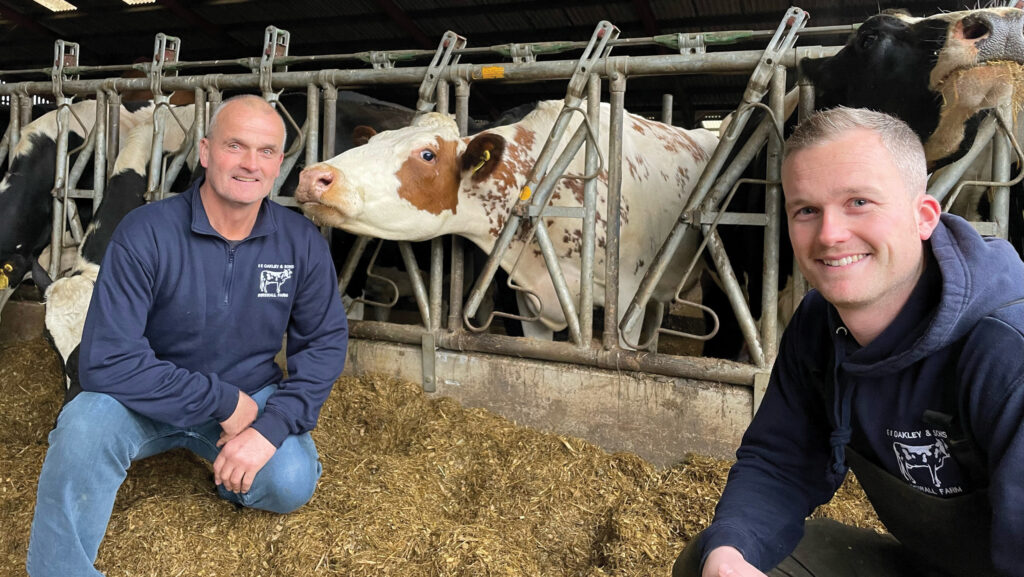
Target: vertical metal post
666	108
1001	173
330	130
114	131
198	123
616	90
156	159
59	185
436	295
773	195
99	162
590	214
456	284
313	123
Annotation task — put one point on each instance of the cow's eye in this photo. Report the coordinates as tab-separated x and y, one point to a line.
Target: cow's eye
867	40
428	155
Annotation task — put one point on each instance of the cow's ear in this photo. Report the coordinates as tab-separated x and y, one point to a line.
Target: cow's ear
362	134
483	154
818	71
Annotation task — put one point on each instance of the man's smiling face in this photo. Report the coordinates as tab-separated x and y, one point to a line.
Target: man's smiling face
856	229
242	153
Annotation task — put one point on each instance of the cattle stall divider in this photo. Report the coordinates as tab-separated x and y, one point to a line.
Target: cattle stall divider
445	346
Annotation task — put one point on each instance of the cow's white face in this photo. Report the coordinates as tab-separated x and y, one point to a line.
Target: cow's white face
401	185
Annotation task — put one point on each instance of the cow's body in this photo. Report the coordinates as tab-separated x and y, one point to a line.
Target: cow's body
422	182
26	203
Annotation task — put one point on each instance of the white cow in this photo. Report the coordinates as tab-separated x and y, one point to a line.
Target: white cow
424	181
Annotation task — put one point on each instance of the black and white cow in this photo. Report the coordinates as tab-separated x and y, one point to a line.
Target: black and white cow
941	74
67	299
26	203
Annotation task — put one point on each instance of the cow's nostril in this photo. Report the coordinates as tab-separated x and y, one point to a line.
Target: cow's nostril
974	29
324	180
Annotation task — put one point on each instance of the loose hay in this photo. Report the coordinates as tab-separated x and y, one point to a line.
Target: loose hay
412	485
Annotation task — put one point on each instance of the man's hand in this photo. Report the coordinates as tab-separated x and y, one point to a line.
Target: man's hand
245	413
728	562
240	459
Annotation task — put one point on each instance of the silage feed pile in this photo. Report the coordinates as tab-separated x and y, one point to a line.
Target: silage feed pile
413	485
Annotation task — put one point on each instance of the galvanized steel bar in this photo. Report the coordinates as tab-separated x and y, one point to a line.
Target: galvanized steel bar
313	124
589	226
736	299
614	359
156	155
666	108
418	288
99	162
943	180
113	127
59	185
1001	173
330	130
616	102
773	195
456	284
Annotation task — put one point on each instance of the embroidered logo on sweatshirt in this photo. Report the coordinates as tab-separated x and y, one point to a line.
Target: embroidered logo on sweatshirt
925	465
273	278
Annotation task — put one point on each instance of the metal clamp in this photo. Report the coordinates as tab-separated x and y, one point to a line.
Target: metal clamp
381	60
165	51
275	45
522	53
443	58
784	38
599	47
65	55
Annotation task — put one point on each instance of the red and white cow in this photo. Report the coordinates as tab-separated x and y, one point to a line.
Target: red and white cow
424	181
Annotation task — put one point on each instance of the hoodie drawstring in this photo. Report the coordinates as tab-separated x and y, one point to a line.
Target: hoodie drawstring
842	408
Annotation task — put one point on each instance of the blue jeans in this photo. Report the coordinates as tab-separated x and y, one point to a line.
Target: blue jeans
95	441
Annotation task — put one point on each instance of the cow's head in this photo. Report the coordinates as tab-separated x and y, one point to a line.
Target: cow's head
936	73
402	184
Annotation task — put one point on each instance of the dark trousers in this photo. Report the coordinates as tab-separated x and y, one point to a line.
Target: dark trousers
828	549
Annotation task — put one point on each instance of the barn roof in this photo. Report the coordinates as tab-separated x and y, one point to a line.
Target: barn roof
111	32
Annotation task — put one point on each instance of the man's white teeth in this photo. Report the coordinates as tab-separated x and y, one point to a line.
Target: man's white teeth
243	179
843	261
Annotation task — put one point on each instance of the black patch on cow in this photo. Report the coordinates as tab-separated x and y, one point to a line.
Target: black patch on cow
884	66
27	216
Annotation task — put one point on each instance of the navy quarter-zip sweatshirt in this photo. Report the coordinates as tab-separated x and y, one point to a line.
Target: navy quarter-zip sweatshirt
181	320
964	321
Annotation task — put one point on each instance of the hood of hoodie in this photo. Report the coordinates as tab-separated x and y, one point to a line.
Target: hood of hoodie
979	275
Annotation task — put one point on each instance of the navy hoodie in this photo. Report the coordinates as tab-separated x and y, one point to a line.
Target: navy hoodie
180	321
956	323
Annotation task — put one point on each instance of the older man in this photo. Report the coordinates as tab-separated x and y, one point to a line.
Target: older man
179	344
905	363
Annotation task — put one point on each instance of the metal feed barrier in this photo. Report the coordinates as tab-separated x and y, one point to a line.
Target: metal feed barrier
269	75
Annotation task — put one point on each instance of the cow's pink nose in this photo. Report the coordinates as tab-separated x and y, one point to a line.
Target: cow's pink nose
314	181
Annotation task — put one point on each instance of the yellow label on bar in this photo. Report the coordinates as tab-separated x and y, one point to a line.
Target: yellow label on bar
490	72
526	193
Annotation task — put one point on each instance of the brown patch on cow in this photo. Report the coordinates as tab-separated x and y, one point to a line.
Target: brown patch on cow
362	134
503	186
431	186
482	155
675	140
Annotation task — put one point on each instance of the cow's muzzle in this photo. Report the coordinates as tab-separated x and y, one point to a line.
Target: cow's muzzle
314	181
996	35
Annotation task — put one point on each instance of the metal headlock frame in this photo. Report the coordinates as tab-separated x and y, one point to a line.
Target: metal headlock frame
691	60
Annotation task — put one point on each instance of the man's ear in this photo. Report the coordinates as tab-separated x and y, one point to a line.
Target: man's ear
362	134
482	155
928	211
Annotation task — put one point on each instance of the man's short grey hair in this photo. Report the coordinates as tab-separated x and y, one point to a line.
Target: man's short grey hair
242	97
899	139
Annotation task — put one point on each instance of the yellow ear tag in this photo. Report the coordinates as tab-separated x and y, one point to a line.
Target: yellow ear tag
479	165
526	193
